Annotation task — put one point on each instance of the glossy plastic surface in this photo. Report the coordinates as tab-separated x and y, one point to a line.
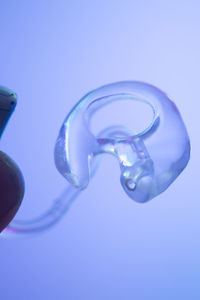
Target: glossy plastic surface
149	160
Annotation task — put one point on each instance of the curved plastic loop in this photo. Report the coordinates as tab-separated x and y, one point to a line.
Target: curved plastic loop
149	160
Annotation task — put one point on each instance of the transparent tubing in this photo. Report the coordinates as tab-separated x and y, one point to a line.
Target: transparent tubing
53	215
149	160
59	208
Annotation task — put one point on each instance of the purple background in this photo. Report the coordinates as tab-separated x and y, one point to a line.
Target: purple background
106	247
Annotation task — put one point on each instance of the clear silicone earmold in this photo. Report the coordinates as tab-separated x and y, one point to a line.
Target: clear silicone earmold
149	160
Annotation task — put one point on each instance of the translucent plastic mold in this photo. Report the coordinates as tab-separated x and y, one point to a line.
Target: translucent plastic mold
149	160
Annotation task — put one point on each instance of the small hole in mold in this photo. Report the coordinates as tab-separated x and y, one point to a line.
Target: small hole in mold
130	184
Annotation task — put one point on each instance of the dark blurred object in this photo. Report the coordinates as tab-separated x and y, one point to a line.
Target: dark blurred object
11	189
11	179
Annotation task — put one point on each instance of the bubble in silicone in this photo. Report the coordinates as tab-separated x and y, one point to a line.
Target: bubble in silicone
149	160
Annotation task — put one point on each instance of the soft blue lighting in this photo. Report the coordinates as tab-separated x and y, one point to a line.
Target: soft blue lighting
52	53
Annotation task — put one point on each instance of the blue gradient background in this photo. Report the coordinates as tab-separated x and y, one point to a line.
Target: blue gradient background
106	247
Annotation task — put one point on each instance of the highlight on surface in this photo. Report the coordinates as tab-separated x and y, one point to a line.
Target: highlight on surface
149	160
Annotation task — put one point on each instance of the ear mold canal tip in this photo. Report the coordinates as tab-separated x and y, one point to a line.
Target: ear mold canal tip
149	160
